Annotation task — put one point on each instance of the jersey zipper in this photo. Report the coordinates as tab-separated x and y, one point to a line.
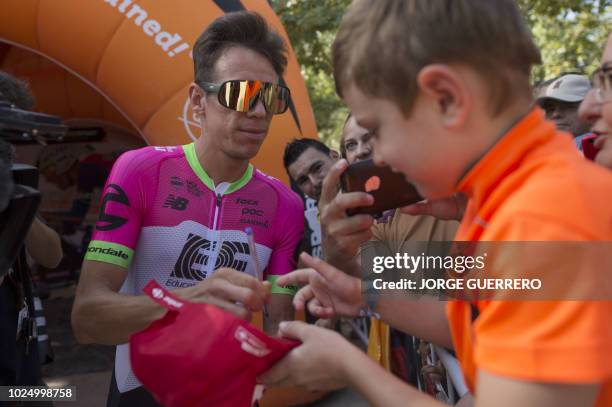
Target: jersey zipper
217	240
217	208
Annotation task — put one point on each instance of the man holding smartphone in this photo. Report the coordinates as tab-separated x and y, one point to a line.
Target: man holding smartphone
395	230
343	235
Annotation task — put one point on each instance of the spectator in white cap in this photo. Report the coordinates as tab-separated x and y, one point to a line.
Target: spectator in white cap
561	99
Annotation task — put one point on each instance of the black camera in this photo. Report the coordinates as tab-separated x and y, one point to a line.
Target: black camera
19	182
15	222
21	126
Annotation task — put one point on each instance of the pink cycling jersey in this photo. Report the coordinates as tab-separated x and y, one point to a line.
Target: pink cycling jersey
163	218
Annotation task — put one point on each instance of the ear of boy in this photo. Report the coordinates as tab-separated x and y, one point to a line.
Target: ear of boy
448	90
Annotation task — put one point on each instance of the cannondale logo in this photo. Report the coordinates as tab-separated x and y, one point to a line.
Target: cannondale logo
108	221
194	263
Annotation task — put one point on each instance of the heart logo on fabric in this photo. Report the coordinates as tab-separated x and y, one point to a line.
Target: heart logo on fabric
372	184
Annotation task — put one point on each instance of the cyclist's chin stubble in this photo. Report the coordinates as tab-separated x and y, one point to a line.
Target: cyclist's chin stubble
241	149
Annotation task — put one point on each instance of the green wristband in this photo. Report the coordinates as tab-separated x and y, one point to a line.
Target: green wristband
277	289
109	252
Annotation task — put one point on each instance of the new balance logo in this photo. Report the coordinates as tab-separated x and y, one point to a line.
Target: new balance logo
176	181
176	202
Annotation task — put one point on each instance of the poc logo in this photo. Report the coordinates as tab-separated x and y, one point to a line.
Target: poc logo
250	211
246	202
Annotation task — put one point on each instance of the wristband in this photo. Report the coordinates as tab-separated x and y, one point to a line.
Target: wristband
367	312
277	289
371	297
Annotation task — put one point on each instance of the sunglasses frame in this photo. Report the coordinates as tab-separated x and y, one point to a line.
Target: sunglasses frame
209	87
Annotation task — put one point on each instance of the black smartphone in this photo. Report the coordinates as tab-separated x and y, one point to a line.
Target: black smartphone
389	189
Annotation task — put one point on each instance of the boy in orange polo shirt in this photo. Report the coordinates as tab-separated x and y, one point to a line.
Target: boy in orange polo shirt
444	84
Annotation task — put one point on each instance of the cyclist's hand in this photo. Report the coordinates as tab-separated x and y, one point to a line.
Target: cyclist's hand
451	208
227	287
328	292
342	234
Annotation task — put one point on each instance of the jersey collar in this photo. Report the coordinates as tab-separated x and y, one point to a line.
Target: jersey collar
195	165
524	137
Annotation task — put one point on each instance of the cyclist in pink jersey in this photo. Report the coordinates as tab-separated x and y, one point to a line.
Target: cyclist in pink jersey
179	214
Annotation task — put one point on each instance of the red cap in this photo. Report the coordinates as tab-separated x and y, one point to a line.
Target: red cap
200	355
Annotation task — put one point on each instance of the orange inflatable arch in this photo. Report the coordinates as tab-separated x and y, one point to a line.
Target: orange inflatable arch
128	63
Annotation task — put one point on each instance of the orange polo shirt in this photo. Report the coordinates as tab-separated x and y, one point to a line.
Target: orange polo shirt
534	186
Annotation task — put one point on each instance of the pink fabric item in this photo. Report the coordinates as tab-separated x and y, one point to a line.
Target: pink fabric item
200	355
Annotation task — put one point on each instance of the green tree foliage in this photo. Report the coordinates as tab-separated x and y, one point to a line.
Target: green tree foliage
570	34
311	26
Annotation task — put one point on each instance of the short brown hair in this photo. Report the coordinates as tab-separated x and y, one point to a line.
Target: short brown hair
241	28
383	44
298	146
